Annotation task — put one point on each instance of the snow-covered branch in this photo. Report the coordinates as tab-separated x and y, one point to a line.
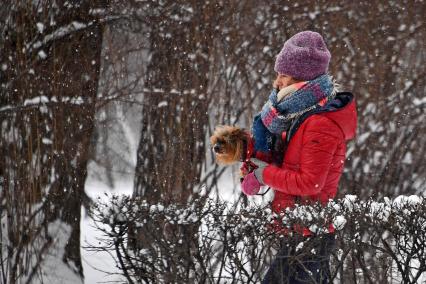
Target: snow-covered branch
214	241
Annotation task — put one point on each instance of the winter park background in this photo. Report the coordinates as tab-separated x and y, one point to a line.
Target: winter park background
106	173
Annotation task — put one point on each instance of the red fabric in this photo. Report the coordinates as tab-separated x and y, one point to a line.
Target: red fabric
314	159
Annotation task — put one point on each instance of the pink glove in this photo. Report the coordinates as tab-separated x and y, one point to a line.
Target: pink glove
250	184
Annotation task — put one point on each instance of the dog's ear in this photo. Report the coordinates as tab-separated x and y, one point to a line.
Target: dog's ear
239	133
239	149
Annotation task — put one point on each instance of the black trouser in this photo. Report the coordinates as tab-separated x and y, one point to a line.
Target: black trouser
302	260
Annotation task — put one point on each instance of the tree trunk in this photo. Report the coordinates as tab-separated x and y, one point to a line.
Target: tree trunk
51	60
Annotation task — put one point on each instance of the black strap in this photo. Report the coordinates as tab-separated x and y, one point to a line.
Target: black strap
262	194
244	156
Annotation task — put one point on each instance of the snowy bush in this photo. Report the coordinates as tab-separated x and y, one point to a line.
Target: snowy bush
215	242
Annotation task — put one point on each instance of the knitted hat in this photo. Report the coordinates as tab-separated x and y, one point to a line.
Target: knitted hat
304	56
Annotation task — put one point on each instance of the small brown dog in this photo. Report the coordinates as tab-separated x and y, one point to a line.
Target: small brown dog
230	144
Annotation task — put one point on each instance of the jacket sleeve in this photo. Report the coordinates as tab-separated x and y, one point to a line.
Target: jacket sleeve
319	143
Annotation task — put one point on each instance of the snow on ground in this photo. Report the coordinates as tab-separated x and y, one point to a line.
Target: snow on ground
95	263
52	271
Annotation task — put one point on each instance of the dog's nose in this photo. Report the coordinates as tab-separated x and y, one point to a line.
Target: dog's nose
216	148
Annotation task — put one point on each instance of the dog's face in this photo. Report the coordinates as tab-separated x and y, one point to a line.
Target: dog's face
227	143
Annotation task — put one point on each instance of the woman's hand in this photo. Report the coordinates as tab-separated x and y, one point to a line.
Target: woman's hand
254	180
260	166
250	184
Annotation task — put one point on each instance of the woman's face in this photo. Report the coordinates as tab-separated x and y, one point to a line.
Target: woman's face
283	81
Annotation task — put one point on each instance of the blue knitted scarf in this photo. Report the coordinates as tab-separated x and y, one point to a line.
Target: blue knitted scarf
288	104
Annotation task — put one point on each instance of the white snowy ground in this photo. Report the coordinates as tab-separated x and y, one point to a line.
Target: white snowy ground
95	263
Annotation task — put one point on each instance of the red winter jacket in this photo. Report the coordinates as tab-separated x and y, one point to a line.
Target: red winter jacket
314	159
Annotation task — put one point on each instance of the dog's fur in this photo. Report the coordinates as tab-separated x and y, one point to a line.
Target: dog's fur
228	144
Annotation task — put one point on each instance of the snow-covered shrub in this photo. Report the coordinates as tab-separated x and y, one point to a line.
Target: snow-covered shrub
215	242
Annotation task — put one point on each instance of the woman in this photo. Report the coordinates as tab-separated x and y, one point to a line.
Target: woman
315	122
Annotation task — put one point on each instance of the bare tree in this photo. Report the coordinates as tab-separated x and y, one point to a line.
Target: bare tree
380	63
49	80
